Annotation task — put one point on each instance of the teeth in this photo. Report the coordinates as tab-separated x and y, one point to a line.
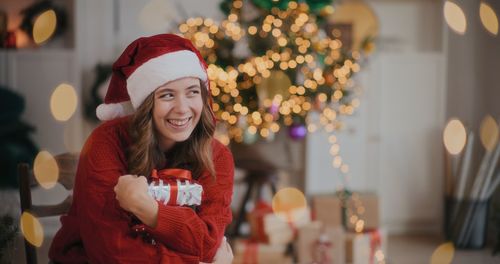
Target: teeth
178	122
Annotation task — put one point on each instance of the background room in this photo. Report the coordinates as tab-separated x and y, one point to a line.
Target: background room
363	131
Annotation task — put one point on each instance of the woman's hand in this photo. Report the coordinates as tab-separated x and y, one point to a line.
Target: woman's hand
224	254
132	195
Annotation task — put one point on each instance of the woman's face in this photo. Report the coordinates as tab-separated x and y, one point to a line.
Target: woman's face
177	110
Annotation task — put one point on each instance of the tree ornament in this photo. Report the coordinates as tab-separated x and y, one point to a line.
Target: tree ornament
297	131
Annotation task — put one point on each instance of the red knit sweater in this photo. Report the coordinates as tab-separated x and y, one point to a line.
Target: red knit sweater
97	230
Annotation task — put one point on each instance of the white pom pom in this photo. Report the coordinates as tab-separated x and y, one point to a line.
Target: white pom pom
109	111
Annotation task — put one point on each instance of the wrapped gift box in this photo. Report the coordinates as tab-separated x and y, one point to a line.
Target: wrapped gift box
366	248
281	237
280	228
276	221
248	252
317	243
327	209
256	220
362	212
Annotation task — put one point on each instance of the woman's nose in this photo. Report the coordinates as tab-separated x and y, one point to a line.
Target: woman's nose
181	104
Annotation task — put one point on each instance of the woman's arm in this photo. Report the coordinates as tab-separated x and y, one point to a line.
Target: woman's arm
200	234
132	195
104	225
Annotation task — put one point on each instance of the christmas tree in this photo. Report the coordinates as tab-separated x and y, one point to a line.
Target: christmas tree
271	63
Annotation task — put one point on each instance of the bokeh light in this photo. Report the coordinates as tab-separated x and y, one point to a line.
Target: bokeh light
63	102
454	136
489	18
44	26
290	203
488	133
32	229
455	17
361	16
46	170
443	254
288	199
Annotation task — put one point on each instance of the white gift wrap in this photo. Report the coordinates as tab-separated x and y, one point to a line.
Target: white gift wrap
187	193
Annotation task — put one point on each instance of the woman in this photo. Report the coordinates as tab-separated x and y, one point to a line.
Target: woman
159	116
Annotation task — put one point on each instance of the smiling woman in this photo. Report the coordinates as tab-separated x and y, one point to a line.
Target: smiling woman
177	110
158	119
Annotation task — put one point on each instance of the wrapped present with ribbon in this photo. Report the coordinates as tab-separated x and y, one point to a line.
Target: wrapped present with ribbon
175	187
321	244
170	187
251	252
281	228
361	212
256	220
366	248
327	209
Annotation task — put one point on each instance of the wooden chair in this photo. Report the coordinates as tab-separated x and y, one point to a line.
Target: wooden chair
259	174
67	163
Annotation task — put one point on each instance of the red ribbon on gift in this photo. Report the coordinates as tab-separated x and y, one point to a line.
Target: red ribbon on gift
174	190
291	224
321	251
375	243
250	253
167	174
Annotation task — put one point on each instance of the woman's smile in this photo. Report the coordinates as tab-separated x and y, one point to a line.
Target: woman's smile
179	123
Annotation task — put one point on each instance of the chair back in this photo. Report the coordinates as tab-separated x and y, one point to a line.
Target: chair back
67	163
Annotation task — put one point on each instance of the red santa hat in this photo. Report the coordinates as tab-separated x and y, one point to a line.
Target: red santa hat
146	64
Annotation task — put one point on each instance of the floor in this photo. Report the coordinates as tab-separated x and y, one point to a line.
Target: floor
419	249
401	250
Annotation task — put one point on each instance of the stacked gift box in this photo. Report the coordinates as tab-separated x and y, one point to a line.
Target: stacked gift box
271	235
250	252
318	243
281	229
333	231
351	224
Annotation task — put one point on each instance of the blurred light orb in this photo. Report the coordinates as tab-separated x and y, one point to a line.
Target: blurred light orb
454	136
297	131
63	102
32	229
276	84
360	225
45	169
443	254
290	205
455	17
488	133
44	26
288	199
489	18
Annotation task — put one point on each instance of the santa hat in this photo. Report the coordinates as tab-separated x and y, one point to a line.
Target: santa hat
146	64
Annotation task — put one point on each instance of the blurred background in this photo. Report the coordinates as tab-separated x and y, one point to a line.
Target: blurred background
363	131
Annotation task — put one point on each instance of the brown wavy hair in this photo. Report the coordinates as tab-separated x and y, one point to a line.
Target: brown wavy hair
195	153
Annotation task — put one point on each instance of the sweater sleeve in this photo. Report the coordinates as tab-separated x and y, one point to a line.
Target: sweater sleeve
201	233
104	225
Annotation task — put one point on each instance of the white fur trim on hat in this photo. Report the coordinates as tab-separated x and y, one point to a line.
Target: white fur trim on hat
161	70
111	111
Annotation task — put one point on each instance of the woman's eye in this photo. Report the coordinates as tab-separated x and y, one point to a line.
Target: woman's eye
193	92
166	96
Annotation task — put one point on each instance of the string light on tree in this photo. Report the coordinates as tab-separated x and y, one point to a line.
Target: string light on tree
289	67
